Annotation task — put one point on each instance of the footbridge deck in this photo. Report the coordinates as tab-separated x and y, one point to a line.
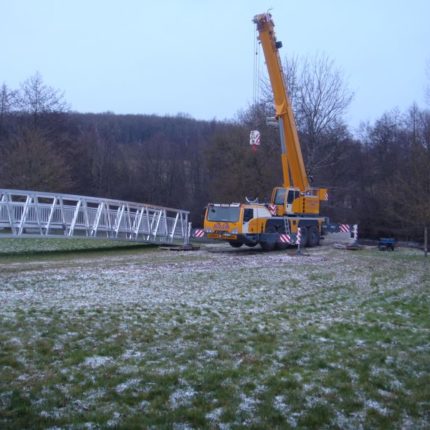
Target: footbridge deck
39	214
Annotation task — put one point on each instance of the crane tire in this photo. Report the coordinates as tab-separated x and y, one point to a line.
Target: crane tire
235	244
313	236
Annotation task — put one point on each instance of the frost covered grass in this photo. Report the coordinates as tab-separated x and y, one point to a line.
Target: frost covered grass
216	338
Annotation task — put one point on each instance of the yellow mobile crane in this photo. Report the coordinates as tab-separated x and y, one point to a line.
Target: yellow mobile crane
293	206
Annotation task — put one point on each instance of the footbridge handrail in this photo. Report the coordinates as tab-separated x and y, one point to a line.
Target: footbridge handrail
35	213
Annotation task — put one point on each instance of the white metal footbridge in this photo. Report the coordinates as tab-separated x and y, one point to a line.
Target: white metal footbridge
39	214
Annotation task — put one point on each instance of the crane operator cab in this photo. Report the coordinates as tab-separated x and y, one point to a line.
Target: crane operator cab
291	201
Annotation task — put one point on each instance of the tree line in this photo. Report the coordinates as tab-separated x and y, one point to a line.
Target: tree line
380	179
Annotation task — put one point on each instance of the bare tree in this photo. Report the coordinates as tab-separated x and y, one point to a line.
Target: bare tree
321	103
408	201
37	98
414	186
323	96
320	99
8	100
31	161
396	183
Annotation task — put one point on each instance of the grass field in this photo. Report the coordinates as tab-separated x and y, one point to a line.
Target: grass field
216	338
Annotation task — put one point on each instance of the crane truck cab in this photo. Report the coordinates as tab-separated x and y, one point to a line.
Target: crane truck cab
237	223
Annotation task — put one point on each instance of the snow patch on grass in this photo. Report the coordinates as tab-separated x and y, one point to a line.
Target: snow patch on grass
182	397
373	404
130	383
97	361
215	415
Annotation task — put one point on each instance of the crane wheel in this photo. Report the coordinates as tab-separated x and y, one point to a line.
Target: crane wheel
270	244
235	244
313	236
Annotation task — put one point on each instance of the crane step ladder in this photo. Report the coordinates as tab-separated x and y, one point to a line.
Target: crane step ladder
39	214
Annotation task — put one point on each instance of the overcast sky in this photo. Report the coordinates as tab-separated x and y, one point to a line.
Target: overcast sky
196	56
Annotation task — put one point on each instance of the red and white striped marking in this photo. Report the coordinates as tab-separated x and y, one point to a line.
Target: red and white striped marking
299	236
272	209
199	233
344	228
285	238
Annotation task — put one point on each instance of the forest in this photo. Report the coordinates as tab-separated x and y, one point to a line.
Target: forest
378	177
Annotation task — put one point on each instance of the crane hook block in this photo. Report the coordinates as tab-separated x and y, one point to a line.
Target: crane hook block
254	138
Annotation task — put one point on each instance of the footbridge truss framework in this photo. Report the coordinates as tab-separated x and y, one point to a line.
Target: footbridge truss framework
40	214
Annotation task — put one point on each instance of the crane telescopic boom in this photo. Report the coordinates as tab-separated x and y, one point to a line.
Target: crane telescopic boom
292	159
